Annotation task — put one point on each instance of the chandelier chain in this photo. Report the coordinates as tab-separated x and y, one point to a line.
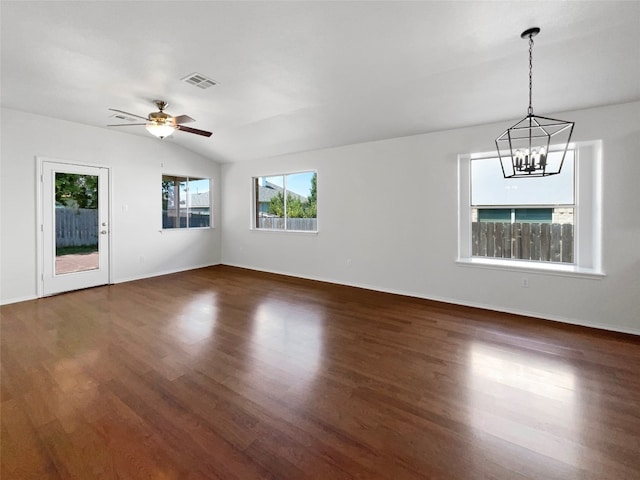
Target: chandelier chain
530	74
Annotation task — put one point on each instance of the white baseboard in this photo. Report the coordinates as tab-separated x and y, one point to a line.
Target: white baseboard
454	301
118	280
9	301
163	272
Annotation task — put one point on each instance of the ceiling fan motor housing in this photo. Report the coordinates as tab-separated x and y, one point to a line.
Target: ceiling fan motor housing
160	118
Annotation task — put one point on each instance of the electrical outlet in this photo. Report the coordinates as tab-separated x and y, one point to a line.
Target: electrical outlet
524	282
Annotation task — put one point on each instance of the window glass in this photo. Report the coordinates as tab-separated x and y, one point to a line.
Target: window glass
514	219
199	202
286	202
269	192
186	202
489	187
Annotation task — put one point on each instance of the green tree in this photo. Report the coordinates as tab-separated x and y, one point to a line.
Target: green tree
73	190
167	191
296	208
276	205
313	194
311	209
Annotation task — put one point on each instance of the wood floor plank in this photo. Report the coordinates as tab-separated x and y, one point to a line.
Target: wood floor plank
24	454
228	373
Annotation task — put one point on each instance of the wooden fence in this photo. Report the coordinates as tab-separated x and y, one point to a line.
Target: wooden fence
302	224
196	220
550	242
76	226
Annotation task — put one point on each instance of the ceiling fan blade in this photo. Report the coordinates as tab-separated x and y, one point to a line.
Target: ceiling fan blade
125	124
194	130
127	113
183	119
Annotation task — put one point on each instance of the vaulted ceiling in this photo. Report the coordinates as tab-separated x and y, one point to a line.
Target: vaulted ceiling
296	76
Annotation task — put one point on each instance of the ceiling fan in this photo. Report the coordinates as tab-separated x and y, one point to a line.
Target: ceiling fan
162	124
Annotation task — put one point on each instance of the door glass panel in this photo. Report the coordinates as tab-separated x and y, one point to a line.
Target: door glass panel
77	226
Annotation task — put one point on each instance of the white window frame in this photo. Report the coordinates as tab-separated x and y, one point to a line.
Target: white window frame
188	178
254	202
587	217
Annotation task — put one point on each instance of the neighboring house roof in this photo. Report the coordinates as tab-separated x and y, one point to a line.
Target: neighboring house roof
269	190
198	200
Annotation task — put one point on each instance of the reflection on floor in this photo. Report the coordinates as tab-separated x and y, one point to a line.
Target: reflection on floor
226	373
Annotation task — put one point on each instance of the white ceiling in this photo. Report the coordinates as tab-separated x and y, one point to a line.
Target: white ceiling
297	76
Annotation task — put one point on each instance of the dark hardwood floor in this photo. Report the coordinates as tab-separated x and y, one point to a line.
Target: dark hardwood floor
233	374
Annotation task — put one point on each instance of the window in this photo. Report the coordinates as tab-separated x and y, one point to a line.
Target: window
538	221
186	202
531	222
286	202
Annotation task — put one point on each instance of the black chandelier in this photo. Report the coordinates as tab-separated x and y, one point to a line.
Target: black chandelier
524	149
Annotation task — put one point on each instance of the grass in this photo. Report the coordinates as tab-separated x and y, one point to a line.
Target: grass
78	250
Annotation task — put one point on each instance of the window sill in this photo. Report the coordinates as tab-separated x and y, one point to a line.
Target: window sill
184	229
533	267
280	230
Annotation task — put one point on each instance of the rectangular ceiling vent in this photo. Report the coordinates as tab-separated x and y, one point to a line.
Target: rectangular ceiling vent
124	118
199	81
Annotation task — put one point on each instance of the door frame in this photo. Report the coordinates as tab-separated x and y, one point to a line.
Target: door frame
40	160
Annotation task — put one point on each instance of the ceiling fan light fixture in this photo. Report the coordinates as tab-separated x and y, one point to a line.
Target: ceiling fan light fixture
160	124
160	130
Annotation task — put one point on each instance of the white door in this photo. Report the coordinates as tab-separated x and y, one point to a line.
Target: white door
75	228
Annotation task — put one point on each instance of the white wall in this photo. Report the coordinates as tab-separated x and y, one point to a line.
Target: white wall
390	207
136	183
